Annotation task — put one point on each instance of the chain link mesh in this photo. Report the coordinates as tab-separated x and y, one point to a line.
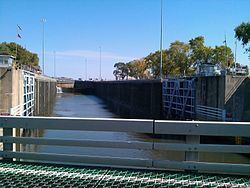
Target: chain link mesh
25	175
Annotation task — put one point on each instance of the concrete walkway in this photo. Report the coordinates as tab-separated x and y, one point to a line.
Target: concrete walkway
40	175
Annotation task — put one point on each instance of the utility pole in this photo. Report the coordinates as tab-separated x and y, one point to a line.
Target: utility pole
226	50
235	56
43	43
86	69
54	64
161	75
100	73
16	40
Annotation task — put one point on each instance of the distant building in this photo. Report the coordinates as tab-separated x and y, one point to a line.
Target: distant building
6	61
208	69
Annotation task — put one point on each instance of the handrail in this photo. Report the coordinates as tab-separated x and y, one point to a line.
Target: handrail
17	110
191	129
211	112
83	124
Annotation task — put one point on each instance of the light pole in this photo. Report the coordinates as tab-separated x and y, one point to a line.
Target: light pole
161	75
54	64
226	57
86	69
43	43
235	56
100	73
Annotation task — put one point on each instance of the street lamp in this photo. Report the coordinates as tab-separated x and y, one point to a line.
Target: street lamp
100	73
161	75
43	43
86	69
54	64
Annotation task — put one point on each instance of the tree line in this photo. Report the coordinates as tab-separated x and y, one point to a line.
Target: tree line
182	59
24	57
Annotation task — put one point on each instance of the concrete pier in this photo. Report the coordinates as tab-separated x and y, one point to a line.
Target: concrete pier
45	93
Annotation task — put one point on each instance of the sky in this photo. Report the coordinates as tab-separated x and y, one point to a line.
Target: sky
123	29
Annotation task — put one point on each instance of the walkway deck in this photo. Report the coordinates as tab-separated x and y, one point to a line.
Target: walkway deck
20	174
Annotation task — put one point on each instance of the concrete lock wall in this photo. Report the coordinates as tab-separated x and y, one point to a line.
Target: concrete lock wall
67	86
143	98
129	99
11	89
210	91
5	90
231	93
45	93
237	94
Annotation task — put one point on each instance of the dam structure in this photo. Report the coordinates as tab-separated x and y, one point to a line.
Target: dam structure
220	98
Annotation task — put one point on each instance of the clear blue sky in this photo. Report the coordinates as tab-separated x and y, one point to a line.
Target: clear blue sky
125	29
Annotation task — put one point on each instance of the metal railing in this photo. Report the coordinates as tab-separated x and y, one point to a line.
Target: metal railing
192	147
210	113
17	110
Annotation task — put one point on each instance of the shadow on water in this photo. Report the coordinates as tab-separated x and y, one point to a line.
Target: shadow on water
78	105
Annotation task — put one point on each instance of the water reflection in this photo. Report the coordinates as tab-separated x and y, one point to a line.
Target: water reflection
71	105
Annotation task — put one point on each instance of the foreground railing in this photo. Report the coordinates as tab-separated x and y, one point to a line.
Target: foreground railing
191	129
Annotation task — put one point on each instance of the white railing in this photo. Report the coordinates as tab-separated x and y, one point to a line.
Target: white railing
192	147
210	113
17	110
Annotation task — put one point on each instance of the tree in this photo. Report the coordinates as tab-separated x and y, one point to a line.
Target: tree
137	69
242	33
223	56
153	61
121	71
24	57
178	57
199	53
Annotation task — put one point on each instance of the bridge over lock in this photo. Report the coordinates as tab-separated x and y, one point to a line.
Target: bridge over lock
32	169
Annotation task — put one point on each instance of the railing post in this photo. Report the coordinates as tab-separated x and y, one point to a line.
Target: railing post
192	154
223	115
7	146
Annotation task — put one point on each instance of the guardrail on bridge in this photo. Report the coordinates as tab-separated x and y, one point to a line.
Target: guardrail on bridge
192	147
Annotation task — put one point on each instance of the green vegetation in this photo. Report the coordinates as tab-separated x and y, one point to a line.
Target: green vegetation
181	59
121	70
242	33
24	57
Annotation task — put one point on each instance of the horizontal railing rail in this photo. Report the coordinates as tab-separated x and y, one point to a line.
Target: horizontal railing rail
17	110
81	124
192	130
210	112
